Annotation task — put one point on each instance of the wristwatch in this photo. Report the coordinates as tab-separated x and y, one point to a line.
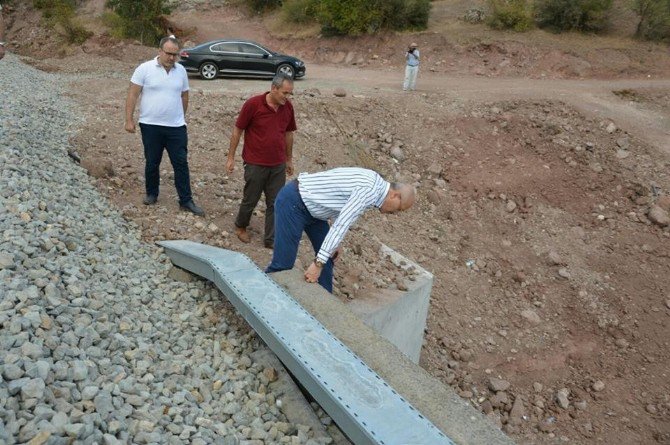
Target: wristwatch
319	263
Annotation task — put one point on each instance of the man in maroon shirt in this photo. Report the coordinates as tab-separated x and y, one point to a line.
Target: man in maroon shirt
268	123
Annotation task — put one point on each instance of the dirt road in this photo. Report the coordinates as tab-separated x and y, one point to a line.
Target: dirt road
595	98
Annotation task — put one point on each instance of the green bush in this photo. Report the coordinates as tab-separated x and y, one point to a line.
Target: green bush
510	14
299	11
654	21
355	17
580	15
264	5
140	19
60	14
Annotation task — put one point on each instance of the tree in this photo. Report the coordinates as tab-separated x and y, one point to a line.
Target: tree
140	19
654	21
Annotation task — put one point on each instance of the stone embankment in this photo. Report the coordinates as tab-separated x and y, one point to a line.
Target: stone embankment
97	343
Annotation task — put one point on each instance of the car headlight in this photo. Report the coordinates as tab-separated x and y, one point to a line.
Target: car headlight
299	63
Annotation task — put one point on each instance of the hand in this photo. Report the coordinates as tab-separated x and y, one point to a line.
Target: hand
312	273
230	165
289	168
130	126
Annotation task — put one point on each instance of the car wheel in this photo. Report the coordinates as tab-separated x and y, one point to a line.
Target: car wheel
286	70
208	70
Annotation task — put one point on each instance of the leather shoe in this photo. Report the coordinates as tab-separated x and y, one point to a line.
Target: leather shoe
150	200
269	244
242	234
193	208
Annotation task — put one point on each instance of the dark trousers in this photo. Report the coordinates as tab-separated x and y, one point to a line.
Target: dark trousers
257	180
156	138
291	219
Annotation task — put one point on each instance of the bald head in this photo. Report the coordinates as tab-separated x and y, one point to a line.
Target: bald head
400	197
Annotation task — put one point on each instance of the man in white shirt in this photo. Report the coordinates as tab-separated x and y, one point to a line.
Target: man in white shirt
2	35
340	195
412	57
163	84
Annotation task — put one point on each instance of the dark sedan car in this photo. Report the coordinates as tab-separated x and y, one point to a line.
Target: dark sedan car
238	58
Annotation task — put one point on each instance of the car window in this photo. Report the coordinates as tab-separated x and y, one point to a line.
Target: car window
251	49
227	47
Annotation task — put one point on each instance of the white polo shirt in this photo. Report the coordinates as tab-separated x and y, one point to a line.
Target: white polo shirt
160	103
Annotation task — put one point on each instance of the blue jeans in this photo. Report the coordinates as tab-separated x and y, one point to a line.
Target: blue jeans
291	219
175	140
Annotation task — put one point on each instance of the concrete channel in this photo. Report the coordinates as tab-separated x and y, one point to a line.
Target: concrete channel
375	392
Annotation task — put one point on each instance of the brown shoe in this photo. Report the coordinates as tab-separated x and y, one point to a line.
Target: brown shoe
242	234
269	244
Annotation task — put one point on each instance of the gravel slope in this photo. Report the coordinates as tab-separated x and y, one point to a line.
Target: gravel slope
97	343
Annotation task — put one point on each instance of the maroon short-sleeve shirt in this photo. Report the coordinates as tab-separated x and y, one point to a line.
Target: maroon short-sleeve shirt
265	131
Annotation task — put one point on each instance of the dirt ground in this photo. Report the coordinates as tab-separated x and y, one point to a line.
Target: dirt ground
543	211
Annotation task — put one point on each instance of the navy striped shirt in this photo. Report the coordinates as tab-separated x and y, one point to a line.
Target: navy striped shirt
341	195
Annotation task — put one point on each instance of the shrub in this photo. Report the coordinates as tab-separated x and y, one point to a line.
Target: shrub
264	5
510	14
299	11
654	21
355	17
60	14
581	15
140	19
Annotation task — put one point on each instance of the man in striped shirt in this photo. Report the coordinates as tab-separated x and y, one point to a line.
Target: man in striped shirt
340	195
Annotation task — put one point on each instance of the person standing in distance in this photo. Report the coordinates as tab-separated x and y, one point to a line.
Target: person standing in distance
412	69
268	122
163	84
340	195
2	35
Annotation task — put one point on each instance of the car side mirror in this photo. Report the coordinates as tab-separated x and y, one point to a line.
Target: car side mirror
266	56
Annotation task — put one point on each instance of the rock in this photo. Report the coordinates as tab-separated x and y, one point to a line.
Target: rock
496	384
179	274
562	398
6	261
563	273
531	316
658	216
622	343
554	259
581	405
339	92
623	143
662	201
41	438
598	386
622	154
33	389
397	153
270	374
510	206
611	128
499	399
98	169
434	169
547	425
518	411
433	197
537	387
